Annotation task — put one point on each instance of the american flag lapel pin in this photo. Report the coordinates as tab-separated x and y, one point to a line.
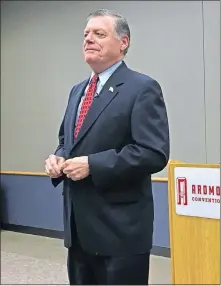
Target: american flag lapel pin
111	89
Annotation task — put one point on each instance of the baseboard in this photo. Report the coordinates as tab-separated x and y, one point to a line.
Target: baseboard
160	251
156	250
33	230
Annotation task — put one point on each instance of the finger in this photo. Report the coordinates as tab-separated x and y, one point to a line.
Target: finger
54	166
61	166
60	160
46	170
75	175
61	163
48	166
69	166
50	170
51	174
71	171
69	176
67	162
68	169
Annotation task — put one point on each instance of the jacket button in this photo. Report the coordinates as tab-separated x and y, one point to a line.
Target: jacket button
96	253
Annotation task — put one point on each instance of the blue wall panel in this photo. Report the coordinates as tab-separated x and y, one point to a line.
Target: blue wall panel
32	201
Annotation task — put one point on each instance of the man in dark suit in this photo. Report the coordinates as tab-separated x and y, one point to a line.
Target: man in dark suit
113	137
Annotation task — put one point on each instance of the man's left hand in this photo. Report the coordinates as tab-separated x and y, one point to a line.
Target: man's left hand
76	168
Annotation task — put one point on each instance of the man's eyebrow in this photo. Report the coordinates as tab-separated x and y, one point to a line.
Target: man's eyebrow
95	30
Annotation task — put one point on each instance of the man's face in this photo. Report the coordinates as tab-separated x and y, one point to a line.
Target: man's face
101	45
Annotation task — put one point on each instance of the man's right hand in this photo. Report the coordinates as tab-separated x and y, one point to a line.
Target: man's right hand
53	166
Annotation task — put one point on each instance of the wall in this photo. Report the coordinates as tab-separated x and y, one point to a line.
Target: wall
211	20
31	201
175	42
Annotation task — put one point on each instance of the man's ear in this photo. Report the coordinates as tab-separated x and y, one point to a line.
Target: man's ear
125	43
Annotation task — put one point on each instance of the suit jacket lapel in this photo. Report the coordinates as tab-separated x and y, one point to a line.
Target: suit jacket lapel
72	111
109	91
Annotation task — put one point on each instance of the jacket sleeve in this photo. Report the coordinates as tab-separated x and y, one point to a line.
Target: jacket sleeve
60	151
149	150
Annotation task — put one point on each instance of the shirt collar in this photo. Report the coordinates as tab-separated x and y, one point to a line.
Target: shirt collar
104	76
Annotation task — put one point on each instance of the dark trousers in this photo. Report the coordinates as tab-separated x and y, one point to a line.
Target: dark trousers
87	269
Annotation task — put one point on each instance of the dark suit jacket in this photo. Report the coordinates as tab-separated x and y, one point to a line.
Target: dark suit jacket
126	137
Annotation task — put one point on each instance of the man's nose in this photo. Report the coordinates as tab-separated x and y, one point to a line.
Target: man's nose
89	38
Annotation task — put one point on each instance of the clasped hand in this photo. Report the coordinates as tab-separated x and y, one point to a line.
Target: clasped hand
76	168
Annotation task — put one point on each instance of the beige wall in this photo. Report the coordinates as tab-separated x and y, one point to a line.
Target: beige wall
175	42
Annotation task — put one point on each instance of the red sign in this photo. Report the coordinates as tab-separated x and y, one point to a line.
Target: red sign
182	191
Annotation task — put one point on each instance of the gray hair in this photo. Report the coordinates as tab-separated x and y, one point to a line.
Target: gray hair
121	27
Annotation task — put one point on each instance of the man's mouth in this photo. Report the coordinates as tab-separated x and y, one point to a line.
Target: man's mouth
91	50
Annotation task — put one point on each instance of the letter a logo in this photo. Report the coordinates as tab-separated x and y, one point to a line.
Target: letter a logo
182	191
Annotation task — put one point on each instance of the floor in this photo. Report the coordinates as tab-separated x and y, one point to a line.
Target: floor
30	259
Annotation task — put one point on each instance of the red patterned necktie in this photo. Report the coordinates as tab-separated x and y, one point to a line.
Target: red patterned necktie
88	99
